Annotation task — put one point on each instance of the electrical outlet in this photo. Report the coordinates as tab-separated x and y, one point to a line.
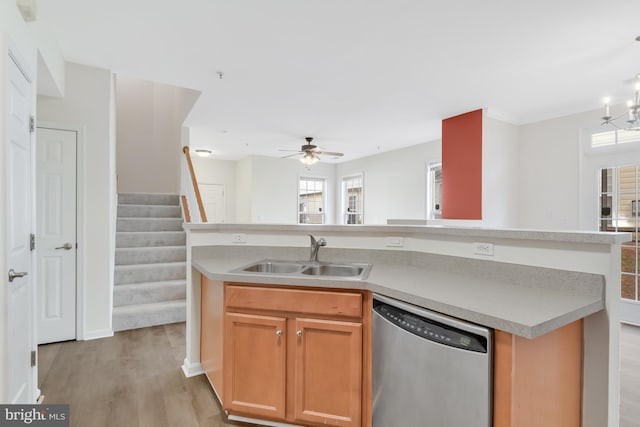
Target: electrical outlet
481	248
397	242
239	238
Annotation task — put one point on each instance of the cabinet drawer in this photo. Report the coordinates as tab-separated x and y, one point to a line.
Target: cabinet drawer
340	304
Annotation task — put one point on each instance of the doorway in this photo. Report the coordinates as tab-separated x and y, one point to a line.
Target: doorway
56	248
619	210
213	200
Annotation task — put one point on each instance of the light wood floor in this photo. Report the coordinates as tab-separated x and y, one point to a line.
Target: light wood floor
630	376
131	379
134	379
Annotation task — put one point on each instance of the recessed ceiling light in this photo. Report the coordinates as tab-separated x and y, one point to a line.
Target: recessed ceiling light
203	153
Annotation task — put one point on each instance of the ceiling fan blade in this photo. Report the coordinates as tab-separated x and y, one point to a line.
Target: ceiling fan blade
330	153
290	155
297	151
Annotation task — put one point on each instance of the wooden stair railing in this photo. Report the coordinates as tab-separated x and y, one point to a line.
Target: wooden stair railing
185	208
196	190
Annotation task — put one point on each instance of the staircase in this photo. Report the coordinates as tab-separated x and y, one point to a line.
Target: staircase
150	262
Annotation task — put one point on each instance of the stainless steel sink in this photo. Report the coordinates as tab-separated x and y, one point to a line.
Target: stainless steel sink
274	267
333	270
356	271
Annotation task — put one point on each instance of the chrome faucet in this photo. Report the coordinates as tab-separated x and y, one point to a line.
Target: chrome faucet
315	246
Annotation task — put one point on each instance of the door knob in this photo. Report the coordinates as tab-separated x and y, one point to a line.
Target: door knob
299	333
279	333
14	275
66	246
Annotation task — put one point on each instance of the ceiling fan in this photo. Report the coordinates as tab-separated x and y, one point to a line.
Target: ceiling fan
311	152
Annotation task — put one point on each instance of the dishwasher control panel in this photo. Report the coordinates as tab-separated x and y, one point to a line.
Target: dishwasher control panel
430	329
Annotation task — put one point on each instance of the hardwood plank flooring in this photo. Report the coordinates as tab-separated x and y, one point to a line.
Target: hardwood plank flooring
134	379
131	379
629	376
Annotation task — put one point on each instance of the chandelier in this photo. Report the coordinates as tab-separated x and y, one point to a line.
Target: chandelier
632	114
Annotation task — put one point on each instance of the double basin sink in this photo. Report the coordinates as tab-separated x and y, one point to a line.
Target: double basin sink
307	268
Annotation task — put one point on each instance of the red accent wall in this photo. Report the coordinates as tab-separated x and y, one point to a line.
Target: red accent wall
462	166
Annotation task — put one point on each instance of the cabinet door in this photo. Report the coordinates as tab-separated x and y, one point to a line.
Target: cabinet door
254	365
328	372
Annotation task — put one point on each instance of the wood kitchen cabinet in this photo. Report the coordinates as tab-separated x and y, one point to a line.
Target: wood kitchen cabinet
538	382
255	364
328	372
297	355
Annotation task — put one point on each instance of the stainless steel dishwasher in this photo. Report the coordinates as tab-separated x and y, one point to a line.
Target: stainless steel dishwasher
429	370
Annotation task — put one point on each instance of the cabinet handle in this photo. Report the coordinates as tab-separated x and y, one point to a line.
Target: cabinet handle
299	333
279	333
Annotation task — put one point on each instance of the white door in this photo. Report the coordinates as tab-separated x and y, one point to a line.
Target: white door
56	234
18	170
213	200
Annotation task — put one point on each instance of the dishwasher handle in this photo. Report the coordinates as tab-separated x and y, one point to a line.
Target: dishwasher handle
425	326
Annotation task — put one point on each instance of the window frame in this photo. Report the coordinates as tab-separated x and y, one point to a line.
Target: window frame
431	212
344	201
325	199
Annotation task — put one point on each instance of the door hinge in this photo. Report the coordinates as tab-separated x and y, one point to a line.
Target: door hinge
32	241
33	358
32	124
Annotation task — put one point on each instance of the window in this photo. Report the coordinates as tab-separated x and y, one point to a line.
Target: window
311	200
619	196
613	137
353	199
434	190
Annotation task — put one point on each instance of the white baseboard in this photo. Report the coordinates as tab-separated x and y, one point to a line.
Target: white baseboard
191	369
97	334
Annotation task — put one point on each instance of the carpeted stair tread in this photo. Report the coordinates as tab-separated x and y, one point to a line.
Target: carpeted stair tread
149	292
156	272
148	199
148	211
149	224
132	239
150	255
143	315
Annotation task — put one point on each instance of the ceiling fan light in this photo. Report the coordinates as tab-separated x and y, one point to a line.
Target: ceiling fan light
308	159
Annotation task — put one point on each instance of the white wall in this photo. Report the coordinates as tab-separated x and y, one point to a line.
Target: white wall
87	101
395	182
243	190
149	135
499	173
548	167
50	60
274	189
212	171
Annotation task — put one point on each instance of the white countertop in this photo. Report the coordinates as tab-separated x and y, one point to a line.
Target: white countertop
523	300
588	237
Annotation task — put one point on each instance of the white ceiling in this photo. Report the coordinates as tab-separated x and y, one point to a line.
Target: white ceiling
361	76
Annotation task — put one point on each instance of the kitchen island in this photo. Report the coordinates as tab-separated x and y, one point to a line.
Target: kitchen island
534	284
